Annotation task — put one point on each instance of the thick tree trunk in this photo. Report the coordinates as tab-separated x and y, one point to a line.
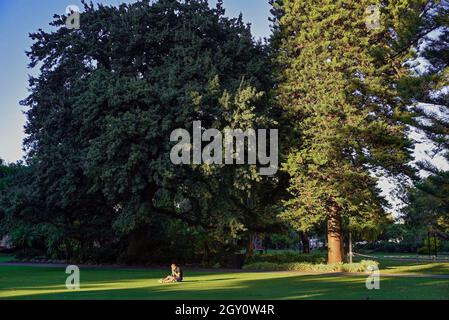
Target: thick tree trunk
343	247
334	238
305	243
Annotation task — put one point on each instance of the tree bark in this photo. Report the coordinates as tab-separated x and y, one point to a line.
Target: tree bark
305	243
334	238
250	246
343	247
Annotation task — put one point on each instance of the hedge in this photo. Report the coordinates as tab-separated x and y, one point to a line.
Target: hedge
361	266
288	257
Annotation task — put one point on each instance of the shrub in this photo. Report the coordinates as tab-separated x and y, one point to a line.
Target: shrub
390	247
309	267
361	266
270	266
288	257
27	253
433	244
444	246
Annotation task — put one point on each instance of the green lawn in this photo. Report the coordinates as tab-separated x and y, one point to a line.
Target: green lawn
390	263
49	283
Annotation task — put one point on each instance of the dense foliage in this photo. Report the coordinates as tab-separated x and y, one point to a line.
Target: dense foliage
430	77
428	204
98	183
99	122
361	266
338	85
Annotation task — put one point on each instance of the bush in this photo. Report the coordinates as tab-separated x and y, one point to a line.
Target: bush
270	266
390	247
309	267
420	247
361	266
433	244
288	257
444	246
27	253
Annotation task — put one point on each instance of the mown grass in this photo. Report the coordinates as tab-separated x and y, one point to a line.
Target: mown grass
407	264
49	283
410	267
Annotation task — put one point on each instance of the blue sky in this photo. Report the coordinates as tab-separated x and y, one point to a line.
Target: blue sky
20	17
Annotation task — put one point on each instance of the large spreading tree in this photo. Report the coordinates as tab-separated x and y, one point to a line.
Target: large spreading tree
102	110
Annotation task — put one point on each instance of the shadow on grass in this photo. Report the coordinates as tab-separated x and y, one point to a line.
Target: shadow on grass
437	268
140	285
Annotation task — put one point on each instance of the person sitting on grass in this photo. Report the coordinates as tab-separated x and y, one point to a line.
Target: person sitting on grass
176	275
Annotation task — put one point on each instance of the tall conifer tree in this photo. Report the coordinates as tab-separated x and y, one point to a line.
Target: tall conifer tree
338	73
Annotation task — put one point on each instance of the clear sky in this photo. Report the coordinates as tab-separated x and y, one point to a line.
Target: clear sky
20	17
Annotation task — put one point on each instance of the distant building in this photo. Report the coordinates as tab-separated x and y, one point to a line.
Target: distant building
316	244
5	243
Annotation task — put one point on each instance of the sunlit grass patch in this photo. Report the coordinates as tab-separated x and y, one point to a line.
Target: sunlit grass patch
49	283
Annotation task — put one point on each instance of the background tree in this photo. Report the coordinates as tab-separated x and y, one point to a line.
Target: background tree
428	204
428	83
